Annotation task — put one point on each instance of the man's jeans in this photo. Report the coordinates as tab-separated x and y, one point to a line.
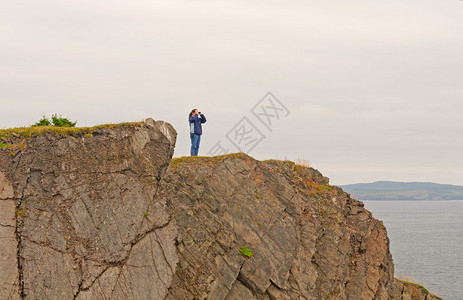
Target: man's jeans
195	144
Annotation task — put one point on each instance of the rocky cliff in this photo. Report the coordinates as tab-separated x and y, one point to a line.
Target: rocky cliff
106	214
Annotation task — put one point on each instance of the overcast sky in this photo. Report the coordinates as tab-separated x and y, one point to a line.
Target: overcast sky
374	89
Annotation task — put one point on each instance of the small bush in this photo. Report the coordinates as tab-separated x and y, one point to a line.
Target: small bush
43	122
56	120
246	251
62	122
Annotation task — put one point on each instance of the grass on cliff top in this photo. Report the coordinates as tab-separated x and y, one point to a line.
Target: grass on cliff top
417	285
280	161
220	158
299	163
36	130
205	159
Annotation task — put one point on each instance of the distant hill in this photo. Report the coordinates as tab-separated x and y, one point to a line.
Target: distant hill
390	190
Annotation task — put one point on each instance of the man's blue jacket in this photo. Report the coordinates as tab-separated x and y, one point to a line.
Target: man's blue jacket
198	121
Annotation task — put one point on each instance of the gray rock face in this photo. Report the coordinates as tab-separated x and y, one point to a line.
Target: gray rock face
89	226
9	275
410	291
104	216
309	239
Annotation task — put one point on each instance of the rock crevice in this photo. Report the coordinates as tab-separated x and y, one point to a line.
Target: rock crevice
85	210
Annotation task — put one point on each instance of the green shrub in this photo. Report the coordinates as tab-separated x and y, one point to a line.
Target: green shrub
56	120
62	122
246	251
43	122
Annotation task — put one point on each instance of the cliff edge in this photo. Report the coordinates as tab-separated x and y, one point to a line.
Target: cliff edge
106	214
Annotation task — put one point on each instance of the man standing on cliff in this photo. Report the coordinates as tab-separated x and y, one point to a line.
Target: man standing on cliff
196	130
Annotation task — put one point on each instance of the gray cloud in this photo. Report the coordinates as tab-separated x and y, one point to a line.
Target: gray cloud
374	89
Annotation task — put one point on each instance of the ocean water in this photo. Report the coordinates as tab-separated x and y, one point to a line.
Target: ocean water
426	242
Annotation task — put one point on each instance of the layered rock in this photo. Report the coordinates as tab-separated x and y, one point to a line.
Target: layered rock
9	276
410	291
102	216
309	239
87	222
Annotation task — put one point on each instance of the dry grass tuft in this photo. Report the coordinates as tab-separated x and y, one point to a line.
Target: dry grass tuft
37	130
175	162
302	163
